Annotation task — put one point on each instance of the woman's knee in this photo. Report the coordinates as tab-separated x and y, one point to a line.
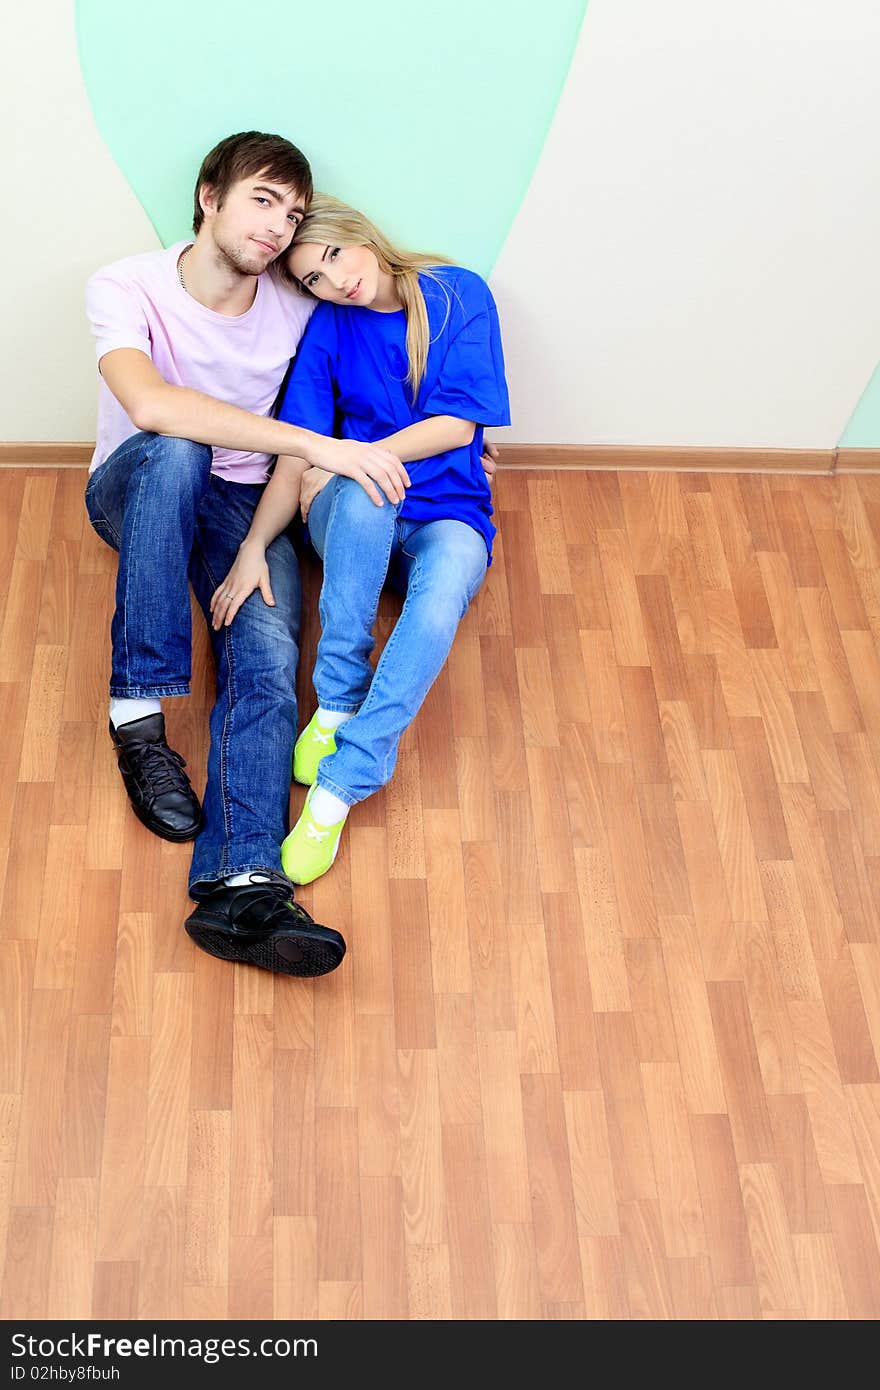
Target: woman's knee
451	572
443	598
447	604
352	507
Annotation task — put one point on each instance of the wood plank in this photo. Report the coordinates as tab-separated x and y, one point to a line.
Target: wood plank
625	1108
553	1210
772	1250
856	1246
743	1085
572	998
681	1211
721	1197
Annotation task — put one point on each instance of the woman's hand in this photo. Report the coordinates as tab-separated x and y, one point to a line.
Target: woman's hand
250	571
312	481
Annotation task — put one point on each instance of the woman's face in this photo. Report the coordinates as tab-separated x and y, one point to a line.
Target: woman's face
343	274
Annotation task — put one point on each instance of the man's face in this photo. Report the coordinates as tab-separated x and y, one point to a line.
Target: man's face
255	223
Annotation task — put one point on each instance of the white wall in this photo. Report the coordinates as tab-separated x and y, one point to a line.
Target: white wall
66	210
695	261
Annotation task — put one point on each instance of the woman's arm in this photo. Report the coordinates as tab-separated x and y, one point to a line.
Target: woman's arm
277	508
432	436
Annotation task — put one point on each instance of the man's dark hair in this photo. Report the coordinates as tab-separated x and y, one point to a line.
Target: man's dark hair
241	156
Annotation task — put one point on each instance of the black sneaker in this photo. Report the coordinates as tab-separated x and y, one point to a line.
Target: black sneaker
260	924
157	786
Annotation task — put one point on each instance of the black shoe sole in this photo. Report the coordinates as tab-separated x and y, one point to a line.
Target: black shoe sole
307	952
177	837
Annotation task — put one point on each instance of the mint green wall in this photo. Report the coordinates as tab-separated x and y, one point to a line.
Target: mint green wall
863	430
430	116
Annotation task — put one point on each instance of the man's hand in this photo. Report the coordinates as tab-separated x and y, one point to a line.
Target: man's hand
250	571
312	481
366	463
489	460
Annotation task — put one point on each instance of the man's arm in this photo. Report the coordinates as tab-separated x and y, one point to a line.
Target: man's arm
153	405
489	459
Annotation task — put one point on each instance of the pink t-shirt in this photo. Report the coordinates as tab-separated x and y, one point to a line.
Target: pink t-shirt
140	303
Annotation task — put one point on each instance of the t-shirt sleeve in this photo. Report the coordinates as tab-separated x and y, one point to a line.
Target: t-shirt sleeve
309	398
471	384
116	315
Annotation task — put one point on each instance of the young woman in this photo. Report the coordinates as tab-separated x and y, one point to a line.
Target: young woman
402	350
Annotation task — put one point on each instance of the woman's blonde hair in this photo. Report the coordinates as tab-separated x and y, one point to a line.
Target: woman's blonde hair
330	222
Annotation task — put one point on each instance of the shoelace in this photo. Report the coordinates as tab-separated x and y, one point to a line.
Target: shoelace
318	737
161	769
312	833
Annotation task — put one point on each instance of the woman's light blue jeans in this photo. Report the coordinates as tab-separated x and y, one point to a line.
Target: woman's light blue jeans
176	523
439	566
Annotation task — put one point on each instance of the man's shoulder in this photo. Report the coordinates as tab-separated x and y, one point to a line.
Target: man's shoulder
292	302
138	270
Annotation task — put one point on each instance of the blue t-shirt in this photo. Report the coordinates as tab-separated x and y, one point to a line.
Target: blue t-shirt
349	379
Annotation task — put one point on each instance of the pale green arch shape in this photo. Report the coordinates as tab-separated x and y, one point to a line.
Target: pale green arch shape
863	430
430	117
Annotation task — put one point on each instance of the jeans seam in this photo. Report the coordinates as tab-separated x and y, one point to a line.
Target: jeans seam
412	590
392	644
138	481
229	870
134	455
224	734
246	824
224	750
389	645
142	693
376	599
329	785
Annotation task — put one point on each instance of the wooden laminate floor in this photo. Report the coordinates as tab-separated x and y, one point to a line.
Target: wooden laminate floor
605	1043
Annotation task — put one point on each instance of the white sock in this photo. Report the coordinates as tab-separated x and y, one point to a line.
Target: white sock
238	880
326	808
127	711
332	718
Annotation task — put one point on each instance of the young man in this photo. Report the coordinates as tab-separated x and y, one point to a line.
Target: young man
193	344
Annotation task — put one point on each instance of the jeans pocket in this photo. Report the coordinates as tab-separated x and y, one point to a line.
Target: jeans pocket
97	515
105	531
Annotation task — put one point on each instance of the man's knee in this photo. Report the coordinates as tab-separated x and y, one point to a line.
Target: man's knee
180	463
266	637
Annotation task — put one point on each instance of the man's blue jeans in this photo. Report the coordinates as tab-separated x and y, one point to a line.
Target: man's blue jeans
439	566
173	522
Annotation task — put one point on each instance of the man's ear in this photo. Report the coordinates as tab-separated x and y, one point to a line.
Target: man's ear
208	199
